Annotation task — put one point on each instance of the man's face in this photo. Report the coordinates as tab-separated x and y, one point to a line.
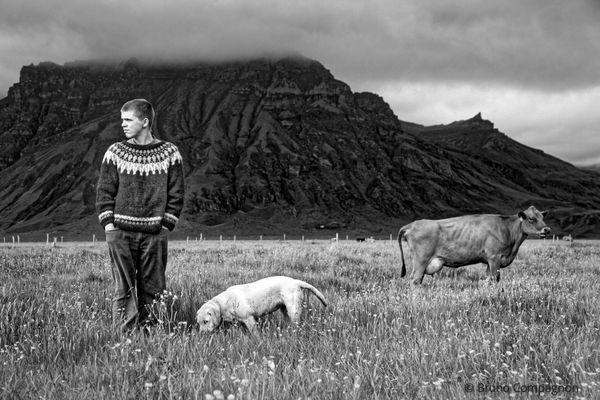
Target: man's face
132	125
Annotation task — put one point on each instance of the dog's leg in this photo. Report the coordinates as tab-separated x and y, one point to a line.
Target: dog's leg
250	323
294	309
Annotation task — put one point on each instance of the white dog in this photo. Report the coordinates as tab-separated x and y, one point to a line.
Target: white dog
247	302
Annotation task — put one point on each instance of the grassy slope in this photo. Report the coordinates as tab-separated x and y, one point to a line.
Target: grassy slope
379	338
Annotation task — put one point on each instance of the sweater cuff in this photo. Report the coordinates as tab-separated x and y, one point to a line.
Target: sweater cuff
106	217
169	221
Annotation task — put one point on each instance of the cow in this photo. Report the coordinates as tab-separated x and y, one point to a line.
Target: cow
455	242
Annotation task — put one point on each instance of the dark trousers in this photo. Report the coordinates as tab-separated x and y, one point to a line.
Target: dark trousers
139	261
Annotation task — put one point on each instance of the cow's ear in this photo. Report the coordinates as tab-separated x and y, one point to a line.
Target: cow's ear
522	215
544	213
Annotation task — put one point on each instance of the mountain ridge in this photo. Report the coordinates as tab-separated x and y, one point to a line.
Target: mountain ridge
270	145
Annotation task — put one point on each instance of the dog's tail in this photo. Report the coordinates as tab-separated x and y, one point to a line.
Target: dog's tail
401	233
314	290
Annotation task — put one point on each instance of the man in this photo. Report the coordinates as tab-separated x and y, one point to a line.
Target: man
139	199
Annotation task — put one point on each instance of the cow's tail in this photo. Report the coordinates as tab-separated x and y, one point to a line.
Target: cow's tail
314	290
400	236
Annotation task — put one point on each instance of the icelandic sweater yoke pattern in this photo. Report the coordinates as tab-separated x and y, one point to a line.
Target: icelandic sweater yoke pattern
133	160
140	187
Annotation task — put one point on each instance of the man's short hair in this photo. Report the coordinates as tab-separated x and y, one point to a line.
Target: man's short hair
141	108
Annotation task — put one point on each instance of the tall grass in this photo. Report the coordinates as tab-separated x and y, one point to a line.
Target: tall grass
380	338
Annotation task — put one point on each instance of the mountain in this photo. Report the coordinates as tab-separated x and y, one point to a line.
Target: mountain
270	146
592	167
536	172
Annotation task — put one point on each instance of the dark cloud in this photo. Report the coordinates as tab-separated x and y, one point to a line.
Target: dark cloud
543	43
547	46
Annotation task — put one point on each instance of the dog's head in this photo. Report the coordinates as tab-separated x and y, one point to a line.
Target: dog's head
209	316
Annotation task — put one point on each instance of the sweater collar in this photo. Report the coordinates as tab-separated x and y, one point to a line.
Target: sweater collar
143	146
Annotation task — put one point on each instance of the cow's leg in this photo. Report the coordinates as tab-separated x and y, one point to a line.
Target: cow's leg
493	270
420	265
418	271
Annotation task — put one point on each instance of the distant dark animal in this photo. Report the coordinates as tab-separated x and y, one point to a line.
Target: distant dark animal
360	239
245	303
454	242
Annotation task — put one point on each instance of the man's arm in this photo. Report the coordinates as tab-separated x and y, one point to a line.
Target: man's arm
106	191
175	192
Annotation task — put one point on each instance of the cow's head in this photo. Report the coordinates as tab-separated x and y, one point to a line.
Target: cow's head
533	222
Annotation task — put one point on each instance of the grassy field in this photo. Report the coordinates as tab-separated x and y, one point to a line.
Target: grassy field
380	338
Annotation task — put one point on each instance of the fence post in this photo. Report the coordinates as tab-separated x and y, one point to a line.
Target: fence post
234	238
284	236
220	238
47	238
261	238
303	238
18	239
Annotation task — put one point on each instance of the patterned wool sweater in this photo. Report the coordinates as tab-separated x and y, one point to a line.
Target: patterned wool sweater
140	187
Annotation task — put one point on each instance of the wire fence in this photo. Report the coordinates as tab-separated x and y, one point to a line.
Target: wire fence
55	239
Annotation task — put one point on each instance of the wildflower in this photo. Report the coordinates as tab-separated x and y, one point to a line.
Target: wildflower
218	395
148	385
205	368
148	363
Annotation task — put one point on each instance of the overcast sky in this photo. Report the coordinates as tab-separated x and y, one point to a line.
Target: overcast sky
530	66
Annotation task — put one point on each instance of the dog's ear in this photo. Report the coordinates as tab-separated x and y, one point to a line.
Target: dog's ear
216	316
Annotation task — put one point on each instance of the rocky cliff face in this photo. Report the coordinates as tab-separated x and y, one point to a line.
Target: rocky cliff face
572	193
269	146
